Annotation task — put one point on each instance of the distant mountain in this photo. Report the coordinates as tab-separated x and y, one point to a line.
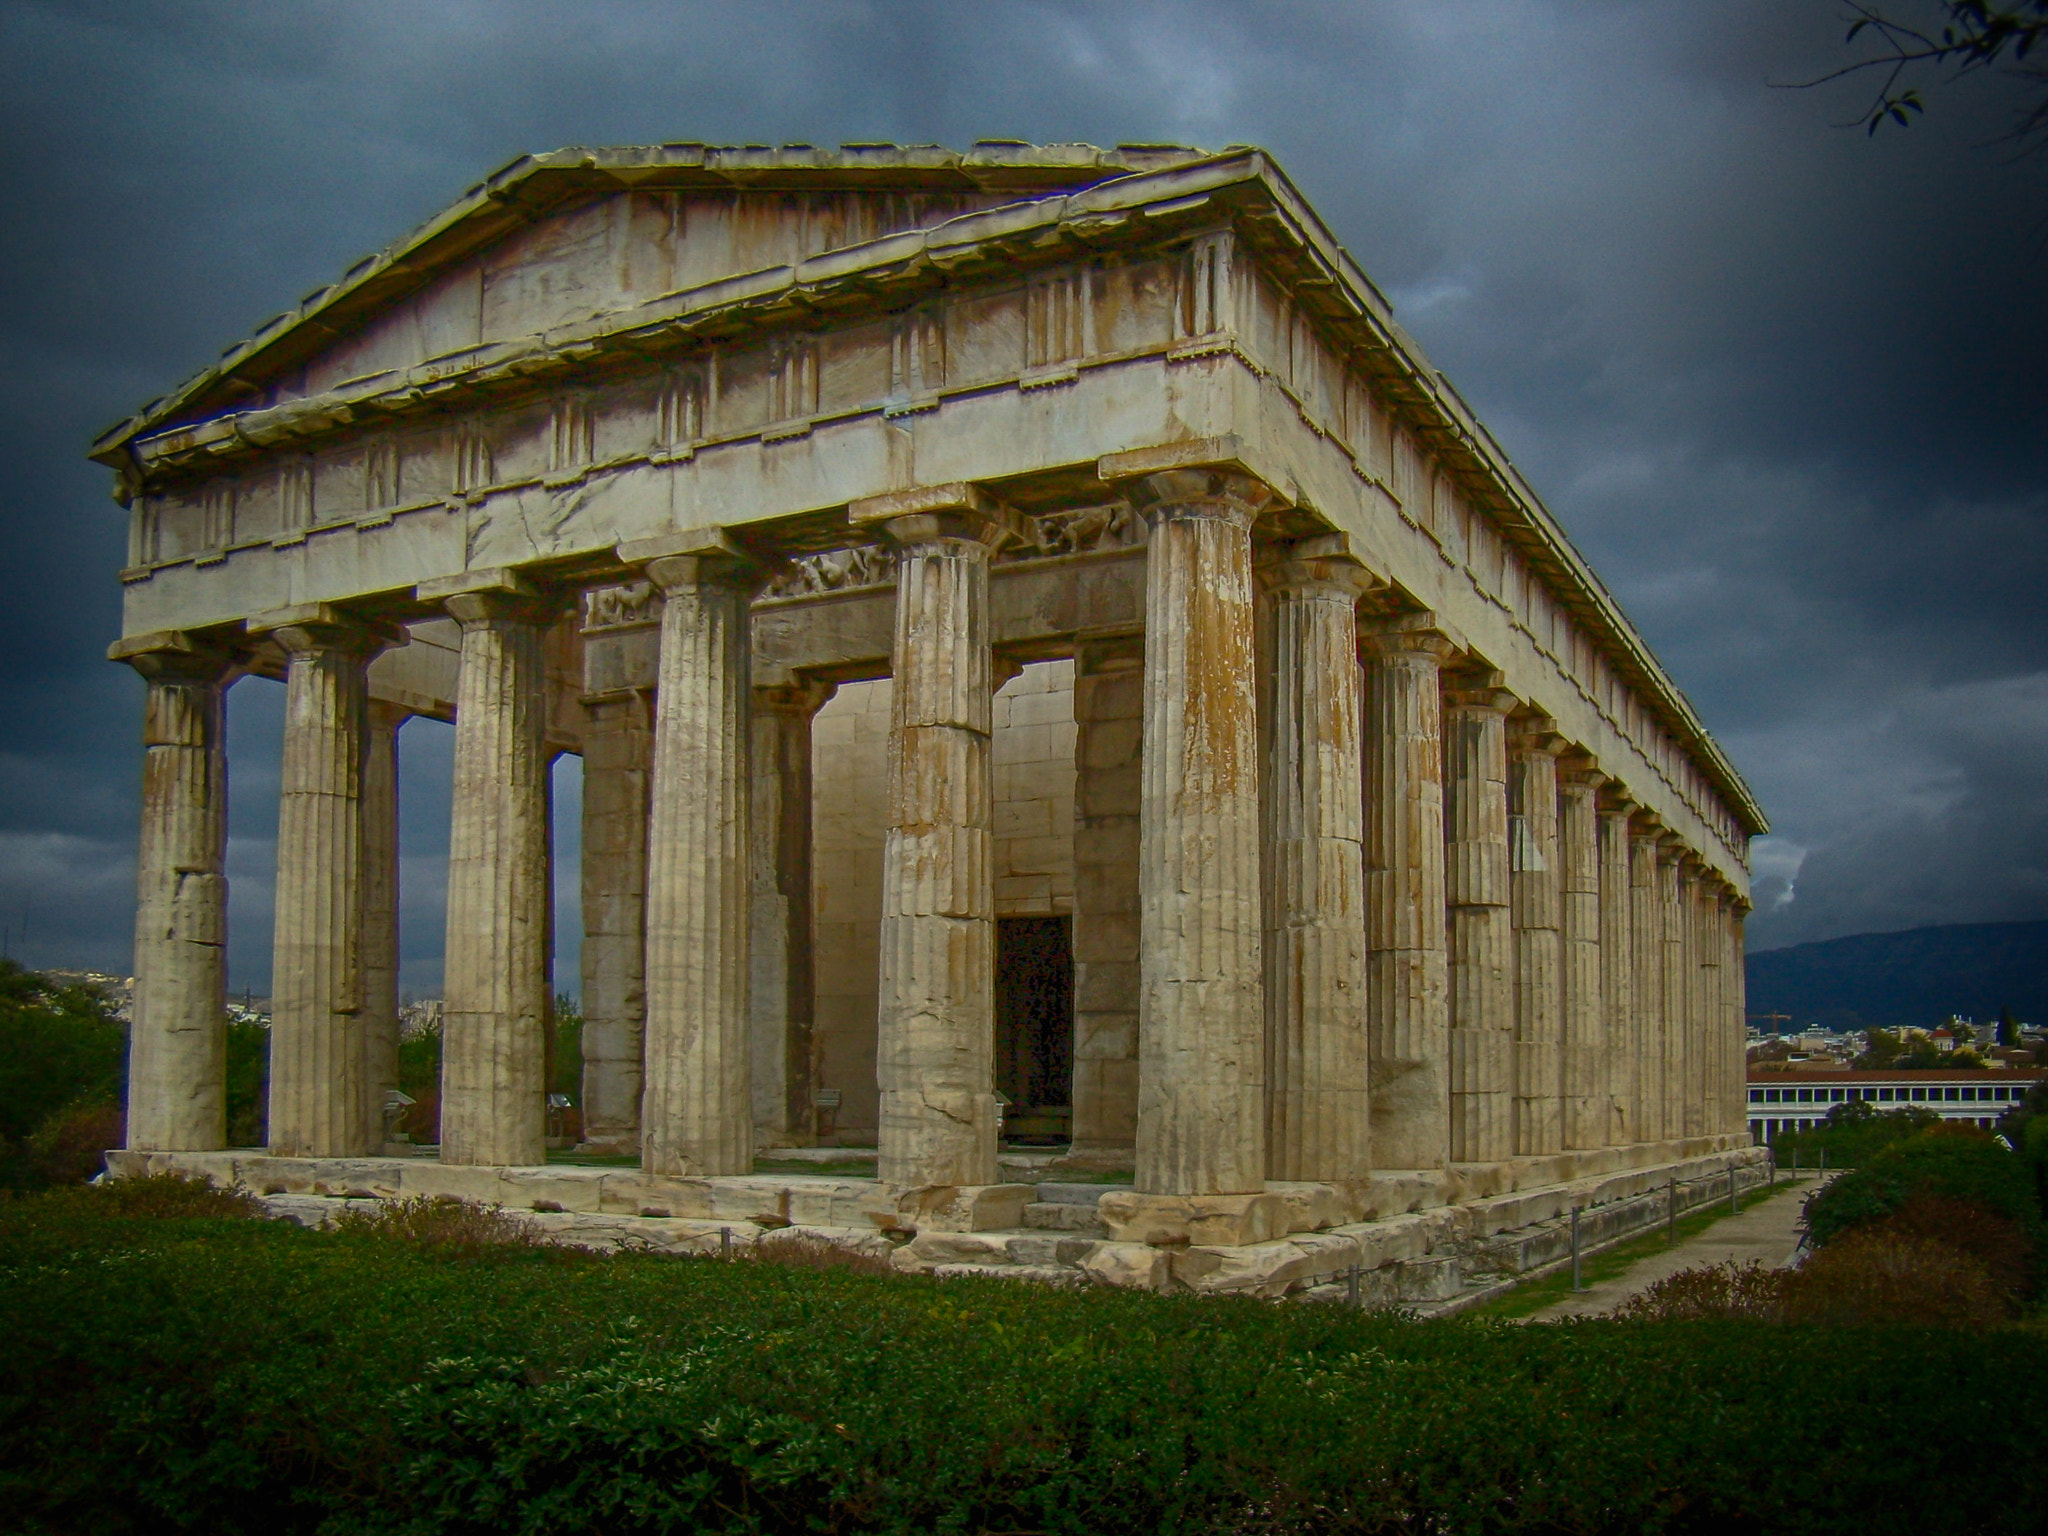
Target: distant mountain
1918	977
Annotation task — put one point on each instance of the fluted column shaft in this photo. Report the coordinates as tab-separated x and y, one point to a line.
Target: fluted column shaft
697	1113
1407	986
1317	1105
1201	1015
1647	928
177	1041
1109	724
783	986
380	915
1624	1033
1482	942
1706	1028
319	1089
935	1044
618	772
495	1005
1587	1053
1538	918
1672	978
1735	987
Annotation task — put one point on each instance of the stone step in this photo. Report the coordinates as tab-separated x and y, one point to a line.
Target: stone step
1058	1216
1052	1192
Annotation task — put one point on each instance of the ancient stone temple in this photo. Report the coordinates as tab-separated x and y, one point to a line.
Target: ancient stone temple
1041	640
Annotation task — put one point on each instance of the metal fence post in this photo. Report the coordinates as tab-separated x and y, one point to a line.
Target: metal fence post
1771	1162
1823	1159
1734	1202
1575	1250
725	1242
1352	1298
1671	1214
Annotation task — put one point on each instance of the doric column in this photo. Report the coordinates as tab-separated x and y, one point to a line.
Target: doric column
1317	1106
1672	978
380	915
1734	988
1587	1053
1109	721
177	1040
780	864
1646	913
495	962
1201	1013
697	1111
319	1092
1482	942
935	1027
1407	987
618	771
1624	1033
1539	938
1707	1028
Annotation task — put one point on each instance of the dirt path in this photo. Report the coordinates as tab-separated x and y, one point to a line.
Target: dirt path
1767	1231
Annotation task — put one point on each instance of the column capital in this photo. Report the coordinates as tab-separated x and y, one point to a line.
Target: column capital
1533	734
174	656
932	514
1398	634
1578	775
691	557
1203	476
1320	566
478	597
1480	693
308	627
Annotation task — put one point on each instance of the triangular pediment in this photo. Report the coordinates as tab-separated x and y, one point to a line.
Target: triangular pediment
556	239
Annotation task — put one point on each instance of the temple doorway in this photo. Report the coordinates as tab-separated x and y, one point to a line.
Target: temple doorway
1035	1027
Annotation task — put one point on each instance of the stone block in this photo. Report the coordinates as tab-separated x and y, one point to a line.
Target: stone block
830	1203
974	1207
448	1181
1316	1207
265	1174
865	1242
1059	1216
1264	1269
1225	1220
1437	1278
1126	1266
566	1189
934	1245
630	1192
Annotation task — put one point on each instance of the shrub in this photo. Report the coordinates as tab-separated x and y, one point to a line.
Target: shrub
803	1251
158	1195
71	1146
1955	1162
1710	1293
454	1228
1996	1242
1876	1274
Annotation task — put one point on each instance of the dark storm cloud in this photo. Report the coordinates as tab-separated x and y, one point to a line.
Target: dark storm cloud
1782	383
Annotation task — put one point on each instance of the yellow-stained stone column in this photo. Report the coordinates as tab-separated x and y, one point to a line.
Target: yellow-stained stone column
1588	1055
319	1058
1672	978
1482	941
618	772
1317	1104
1537	912
1735	987
495	1005
380	915
1710	1078
697	1114
1624	1032
783	987
1201	1014
1407	986
1109	721
935	1028
177	1040
1646	913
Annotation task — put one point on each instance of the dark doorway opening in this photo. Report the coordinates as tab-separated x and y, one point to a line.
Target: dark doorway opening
1035	1026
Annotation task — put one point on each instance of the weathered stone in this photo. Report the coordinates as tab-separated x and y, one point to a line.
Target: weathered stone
1127	1266
1482	942
1135	1217
380	919
618	774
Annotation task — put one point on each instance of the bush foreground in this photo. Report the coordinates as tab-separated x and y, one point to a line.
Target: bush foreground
204	1371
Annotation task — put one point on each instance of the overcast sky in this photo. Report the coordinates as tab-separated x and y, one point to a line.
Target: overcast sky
1782	383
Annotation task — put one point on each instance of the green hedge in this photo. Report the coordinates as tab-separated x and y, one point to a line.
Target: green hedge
1945	1161
229	1376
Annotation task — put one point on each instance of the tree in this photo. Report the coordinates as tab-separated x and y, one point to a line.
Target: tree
1881	1051
2008	1029
1965	37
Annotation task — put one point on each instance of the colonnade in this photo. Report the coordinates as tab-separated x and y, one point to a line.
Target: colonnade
1345	901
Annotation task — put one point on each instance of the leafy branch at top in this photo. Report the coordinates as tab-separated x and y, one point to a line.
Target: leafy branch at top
1974	35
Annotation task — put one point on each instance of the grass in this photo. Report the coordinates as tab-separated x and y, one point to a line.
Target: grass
1535	1294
